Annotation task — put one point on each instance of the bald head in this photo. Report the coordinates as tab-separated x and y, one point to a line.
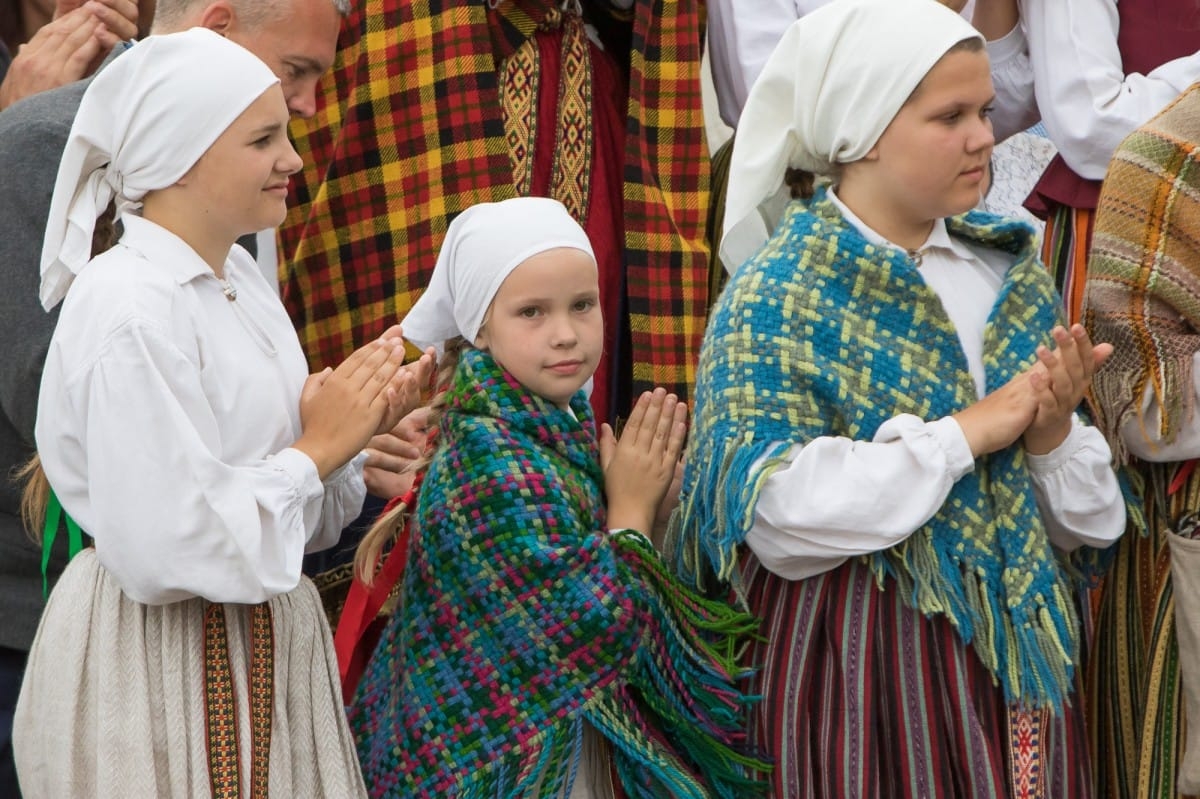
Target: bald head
297	39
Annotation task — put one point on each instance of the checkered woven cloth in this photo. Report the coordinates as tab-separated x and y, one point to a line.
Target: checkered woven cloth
521	619
826	334
1143	279
410	132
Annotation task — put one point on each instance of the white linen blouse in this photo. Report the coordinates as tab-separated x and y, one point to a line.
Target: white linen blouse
836	498
743	33
165	420
1088	103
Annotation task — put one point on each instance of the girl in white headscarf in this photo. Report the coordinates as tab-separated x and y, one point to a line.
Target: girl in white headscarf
540	647
184	654
885	458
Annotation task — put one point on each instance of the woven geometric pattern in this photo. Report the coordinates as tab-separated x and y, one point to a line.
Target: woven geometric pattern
224	760
521	619
570	183
1025	752
826	334
522	72
221	704
262	697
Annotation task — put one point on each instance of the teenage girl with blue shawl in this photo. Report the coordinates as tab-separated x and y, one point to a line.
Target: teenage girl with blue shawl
885	460
540	647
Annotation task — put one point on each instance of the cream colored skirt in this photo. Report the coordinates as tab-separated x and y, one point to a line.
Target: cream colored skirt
122	699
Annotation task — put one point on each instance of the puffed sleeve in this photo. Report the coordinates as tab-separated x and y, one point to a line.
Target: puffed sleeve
1077	491
1088	102
171	519
838	498
1016	107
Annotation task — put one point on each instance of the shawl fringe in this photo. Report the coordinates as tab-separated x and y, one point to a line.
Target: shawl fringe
1143	283
990	570
522	622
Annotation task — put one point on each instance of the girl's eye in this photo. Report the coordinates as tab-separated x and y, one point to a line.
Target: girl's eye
951	118
585	305
986	112
529	313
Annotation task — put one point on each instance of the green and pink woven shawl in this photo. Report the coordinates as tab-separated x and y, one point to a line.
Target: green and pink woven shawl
522	620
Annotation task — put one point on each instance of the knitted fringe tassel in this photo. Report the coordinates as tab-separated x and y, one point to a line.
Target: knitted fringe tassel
1016	653
713	520
678	724
1032	656
676	721
552	760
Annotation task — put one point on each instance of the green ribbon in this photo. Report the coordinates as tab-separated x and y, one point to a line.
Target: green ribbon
55	514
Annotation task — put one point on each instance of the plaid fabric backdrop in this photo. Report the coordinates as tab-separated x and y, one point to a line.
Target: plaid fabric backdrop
409	132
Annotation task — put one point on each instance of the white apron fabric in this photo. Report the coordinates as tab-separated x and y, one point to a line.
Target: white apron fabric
113	702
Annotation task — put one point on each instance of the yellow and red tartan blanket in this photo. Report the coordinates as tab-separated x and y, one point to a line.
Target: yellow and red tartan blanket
409	132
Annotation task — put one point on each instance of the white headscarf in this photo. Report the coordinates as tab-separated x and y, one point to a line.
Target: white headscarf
834	83
483	245
144	121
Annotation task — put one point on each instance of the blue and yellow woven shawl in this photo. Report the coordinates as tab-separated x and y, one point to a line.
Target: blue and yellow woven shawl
824	334
521	619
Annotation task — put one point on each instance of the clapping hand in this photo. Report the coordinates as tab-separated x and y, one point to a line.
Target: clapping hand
639	467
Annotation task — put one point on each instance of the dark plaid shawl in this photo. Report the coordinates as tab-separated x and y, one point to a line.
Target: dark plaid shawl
410	133
520	619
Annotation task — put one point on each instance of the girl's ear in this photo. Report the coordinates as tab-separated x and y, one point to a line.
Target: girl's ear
481	340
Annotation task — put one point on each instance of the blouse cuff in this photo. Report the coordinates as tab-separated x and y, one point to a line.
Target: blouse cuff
350	471
950	437
305	479
1058	457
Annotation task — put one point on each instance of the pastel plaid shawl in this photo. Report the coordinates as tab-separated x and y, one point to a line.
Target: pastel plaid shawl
1143	281
825	334
521	619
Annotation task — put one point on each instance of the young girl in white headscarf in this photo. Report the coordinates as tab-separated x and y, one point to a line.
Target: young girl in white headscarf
540	647
184	655
885	458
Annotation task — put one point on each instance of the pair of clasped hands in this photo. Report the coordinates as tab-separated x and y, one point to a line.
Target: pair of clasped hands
344	409
1038	405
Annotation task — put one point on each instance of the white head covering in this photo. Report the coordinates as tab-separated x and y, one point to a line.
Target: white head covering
483	245
834	83
144	121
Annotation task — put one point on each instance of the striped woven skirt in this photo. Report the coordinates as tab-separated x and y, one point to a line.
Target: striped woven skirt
188	699
1068	238
1134	698
865	698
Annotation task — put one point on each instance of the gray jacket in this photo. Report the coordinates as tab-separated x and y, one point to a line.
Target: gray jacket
33	134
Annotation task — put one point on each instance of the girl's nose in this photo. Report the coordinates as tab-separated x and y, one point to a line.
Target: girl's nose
291	162
981	136
564	334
